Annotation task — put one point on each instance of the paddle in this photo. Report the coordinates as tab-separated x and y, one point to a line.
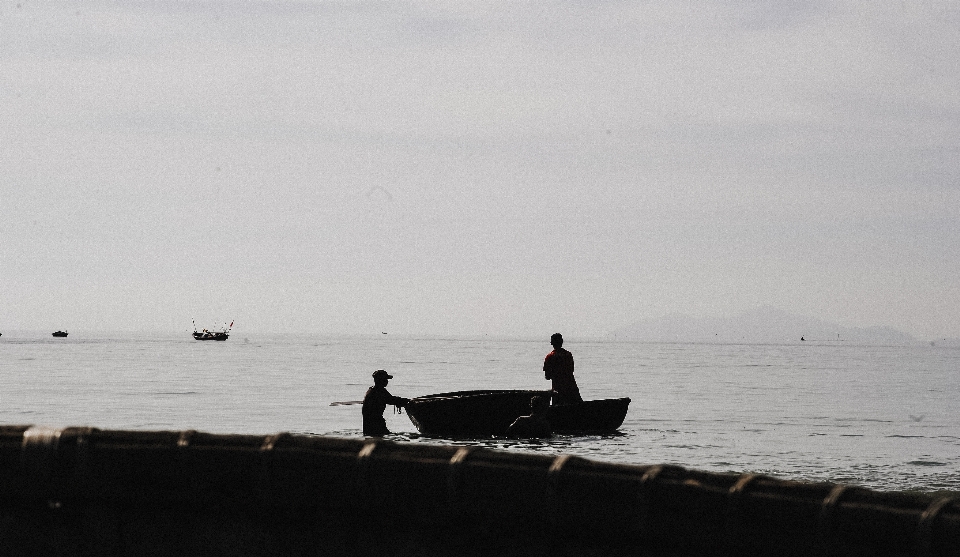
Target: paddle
346	402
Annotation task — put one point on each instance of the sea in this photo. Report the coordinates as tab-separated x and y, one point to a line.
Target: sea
881	417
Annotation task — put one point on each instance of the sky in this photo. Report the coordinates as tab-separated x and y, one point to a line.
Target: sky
477	168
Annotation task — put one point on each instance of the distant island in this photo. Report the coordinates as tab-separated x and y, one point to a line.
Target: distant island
763	325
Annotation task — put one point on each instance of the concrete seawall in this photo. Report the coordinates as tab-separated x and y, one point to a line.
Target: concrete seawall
84	491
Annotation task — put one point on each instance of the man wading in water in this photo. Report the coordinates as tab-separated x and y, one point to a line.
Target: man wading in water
376	401
558	366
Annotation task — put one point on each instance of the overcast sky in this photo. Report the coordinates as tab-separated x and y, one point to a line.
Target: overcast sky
469	167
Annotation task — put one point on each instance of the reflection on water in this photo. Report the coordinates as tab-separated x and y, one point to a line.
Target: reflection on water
556	445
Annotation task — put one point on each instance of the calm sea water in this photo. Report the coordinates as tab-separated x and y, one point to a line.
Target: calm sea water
886	418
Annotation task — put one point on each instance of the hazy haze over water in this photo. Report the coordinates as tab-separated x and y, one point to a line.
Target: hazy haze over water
477	167
478	172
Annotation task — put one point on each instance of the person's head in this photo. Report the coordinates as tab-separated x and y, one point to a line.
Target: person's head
381	377
538	404
556	339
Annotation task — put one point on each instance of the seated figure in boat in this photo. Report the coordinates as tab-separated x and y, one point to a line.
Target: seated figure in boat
558	367
535	425
375	401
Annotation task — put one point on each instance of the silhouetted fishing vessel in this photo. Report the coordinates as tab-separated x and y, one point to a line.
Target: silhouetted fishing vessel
490	412
60	334
212	335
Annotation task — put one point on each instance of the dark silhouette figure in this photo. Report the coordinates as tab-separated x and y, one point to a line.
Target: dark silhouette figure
375	401
558	367
535	425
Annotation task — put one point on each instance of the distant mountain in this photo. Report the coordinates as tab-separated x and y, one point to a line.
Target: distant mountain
763	325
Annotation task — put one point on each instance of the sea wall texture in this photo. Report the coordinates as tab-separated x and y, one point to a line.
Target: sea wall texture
83	491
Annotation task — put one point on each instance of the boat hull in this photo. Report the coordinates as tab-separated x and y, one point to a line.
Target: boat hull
601	416
469	413
210	336
60	334
490	413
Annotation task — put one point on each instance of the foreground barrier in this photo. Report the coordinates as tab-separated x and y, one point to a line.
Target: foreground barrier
83	491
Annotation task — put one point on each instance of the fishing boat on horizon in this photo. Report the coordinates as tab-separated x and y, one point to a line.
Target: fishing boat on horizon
61	334
212	335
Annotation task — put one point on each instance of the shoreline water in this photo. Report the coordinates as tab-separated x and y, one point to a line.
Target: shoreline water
881	417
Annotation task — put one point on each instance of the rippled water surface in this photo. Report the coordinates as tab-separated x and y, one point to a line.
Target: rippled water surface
883	417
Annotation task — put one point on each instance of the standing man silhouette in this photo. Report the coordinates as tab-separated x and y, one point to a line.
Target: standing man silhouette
558	367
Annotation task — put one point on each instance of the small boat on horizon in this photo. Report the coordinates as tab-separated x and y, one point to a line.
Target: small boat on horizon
60	334
212	335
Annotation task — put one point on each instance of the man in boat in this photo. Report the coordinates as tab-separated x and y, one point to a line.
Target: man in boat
376	401
558	367
535	425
